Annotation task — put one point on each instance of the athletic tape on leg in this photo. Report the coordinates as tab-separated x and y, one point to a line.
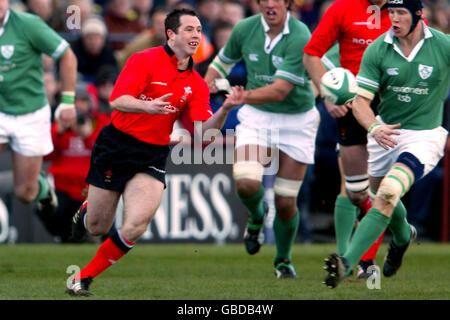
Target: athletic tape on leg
395	184
248	170
358	183
286	187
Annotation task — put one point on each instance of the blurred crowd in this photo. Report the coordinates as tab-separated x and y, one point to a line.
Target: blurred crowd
104	33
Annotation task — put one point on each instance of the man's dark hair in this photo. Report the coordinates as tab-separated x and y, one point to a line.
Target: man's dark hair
172	21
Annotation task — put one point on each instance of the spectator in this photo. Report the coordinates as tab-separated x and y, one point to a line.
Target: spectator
152	37
251	7
91	49
143	10
104	83
232	11
181	4
120	23
209	11
70	164
441	16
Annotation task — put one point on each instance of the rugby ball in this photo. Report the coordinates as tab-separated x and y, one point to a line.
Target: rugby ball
338	86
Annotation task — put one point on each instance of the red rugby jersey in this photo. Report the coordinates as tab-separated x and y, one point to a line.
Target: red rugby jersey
354	24
150	74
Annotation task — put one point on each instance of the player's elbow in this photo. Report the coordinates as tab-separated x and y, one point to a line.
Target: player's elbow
115	103
308	59
280	90
280	95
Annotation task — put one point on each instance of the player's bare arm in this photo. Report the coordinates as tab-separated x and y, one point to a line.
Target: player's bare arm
130	104
316	70
366	118
218	119
65	113
277	91
210	76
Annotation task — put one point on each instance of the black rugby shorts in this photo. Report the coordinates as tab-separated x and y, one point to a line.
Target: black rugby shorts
117	157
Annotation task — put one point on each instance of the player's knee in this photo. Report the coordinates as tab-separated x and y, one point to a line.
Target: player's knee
246	187
96	227
133	231
357	197
248	177
395	184
285	207
26	193
286	192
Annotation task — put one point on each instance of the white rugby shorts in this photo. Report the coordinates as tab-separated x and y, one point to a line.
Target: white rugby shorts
426	145
28	134
293	134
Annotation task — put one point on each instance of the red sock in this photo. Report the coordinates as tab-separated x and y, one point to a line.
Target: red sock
365	206
108	253
372	252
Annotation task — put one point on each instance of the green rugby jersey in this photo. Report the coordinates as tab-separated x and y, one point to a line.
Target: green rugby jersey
266	60
331	59
23	39
412	89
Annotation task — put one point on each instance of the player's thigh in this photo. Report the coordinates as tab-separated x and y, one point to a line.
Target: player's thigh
374	183
252	152
354	159
290	168
26	171
141	198
101	209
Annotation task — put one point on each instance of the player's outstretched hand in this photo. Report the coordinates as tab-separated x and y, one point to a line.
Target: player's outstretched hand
336	111
160	105
234	99
383	135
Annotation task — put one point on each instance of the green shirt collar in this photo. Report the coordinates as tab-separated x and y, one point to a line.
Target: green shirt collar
2	29
389	38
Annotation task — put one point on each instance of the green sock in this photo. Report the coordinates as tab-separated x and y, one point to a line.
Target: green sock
255	205
344	219
369	229
285	233
43	188
399	226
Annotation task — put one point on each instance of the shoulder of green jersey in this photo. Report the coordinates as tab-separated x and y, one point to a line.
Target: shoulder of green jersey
225	59
29	17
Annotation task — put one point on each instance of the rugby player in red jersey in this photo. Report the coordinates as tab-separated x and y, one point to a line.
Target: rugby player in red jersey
354	24
129	156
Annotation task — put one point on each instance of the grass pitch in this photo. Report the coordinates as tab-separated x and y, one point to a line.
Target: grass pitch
212	272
